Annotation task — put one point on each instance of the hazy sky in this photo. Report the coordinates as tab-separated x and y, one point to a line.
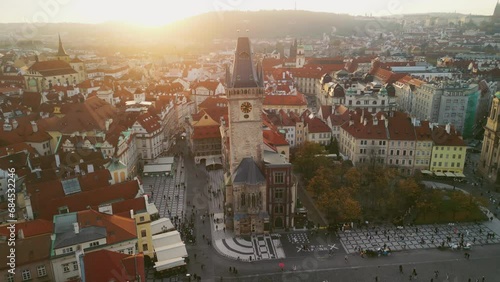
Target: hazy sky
157	12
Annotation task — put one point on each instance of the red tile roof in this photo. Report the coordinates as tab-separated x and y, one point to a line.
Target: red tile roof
30	228
285	100
52	68
423	132
81	117
208	84
316	125
17	147
118	228
442	138
206	132
29	250
106	265
213	102
274	138
122	208
400	127
149	123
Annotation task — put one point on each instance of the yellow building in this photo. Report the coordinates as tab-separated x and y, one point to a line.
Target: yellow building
143	213
449	151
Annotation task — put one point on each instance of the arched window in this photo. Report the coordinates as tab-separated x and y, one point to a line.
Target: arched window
254	201
242	202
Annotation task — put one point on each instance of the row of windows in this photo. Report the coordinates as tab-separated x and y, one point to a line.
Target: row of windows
26	274
446	164
447	156
397	162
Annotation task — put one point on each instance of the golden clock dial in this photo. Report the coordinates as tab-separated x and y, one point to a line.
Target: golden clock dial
246	107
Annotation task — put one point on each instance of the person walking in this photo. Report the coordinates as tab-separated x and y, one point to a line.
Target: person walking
400	268
345	258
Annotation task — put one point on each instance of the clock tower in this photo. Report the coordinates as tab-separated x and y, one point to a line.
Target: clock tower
245	94
246	192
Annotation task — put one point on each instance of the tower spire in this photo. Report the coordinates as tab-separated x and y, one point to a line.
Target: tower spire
61	51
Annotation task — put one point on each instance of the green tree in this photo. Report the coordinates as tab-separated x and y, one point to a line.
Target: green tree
320	182
308	158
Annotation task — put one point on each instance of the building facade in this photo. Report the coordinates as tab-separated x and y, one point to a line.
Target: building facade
490	153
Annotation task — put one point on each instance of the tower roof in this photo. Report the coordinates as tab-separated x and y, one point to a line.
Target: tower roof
244	74
61	51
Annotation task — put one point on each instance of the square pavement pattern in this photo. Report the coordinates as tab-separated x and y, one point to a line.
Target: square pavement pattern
168	192
416	237
259	247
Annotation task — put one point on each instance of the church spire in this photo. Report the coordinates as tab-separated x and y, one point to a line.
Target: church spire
61	51
244	74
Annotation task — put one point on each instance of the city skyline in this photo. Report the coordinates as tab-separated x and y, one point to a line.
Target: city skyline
158	13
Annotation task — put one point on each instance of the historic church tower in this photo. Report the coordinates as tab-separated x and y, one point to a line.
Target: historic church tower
246	186
61	53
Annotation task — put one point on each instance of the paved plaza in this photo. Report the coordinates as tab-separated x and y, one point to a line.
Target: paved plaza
416	237
168	192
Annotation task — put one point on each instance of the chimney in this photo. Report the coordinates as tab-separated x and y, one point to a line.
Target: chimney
448	128
131	213
351	122
34	126
386	123
15	124
108	123
365	120
20	234
76	227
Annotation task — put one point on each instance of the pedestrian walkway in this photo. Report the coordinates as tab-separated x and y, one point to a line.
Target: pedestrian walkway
168	192
417	237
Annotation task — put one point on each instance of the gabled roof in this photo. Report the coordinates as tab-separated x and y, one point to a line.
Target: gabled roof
248	173
316	125
274	138
106	265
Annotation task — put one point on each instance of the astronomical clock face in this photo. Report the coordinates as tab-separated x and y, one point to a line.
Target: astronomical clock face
246	107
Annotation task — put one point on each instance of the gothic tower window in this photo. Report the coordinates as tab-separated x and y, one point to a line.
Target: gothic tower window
242	199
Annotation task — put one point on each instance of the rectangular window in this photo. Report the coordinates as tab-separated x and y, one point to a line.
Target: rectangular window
143	233
279	177
141	219
94	244
26	274
145	247
433	163
278	194
10	277
75	265
41	270
65	267
67	250
130	251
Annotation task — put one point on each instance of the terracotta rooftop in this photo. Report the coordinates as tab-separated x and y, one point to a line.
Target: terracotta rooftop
106	265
